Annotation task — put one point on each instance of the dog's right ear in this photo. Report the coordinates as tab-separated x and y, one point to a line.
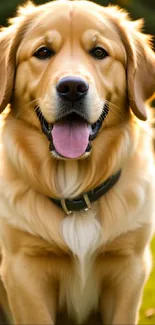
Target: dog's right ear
7	68
10	39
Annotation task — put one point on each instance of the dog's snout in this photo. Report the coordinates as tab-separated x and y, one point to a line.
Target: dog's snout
72	88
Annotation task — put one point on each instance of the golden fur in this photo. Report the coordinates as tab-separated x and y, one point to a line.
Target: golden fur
96	260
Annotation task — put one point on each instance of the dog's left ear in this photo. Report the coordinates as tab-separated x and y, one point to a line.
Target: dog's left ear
140	72
140	60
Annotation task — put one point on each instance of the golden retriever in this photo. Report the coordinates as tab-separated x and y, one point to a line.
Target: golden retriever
77	167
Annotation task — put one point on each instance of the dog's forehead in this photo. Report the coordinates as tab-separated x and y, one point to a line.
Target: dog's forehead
72	17
72	23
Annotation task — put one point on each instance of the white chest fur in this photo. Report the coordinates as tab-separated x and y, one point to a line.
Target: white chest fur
82	234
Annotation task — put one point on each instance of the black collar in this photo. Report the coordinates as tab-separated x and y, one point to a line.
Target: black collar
83	202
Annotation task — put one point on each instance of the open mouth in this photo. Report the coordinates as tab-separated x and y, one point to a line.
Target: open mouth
70	137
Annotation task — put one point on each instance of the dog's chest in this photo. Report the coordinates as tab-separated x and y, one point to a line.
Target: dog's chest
82	233
79	291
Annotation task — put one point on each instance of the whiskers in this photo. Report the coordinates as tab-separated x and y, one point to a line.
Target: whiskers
116	110
27	106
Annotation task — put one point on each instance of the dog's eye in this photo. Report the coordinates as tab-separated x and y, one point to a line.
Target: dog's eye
43	53
99	53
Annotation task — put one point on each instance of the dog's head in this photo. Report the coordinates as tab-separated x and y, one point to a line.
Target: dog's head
67	65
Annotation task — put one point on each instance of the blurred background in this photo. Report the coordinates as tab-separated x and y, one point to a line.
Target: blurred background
137	9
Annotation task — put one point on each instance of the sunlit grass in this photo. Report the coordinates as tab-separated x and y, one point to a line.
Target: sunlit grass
148	306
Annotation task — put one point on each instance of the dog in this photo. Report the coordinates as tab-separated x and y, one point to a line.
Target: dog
77	164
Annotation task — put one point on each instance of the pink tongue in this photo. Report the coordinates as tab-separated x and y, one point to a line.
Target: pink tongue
70	138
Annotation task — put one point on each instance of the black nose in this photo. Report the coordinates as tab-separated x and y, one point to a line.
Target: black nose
72	88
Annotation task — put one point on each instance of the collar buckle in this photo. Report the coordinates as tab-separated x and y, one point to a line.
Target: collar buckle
87	202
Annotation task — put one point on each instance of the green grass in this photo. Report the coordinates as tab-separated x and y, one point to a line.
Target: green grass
149	295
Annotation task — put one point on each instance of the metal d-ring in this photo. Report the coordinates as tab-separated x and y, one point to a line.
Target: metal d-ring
64	206
87	201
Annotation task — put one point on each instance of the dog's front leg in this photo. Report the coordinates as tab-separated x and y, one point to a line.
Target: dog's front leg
121	300
32	298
